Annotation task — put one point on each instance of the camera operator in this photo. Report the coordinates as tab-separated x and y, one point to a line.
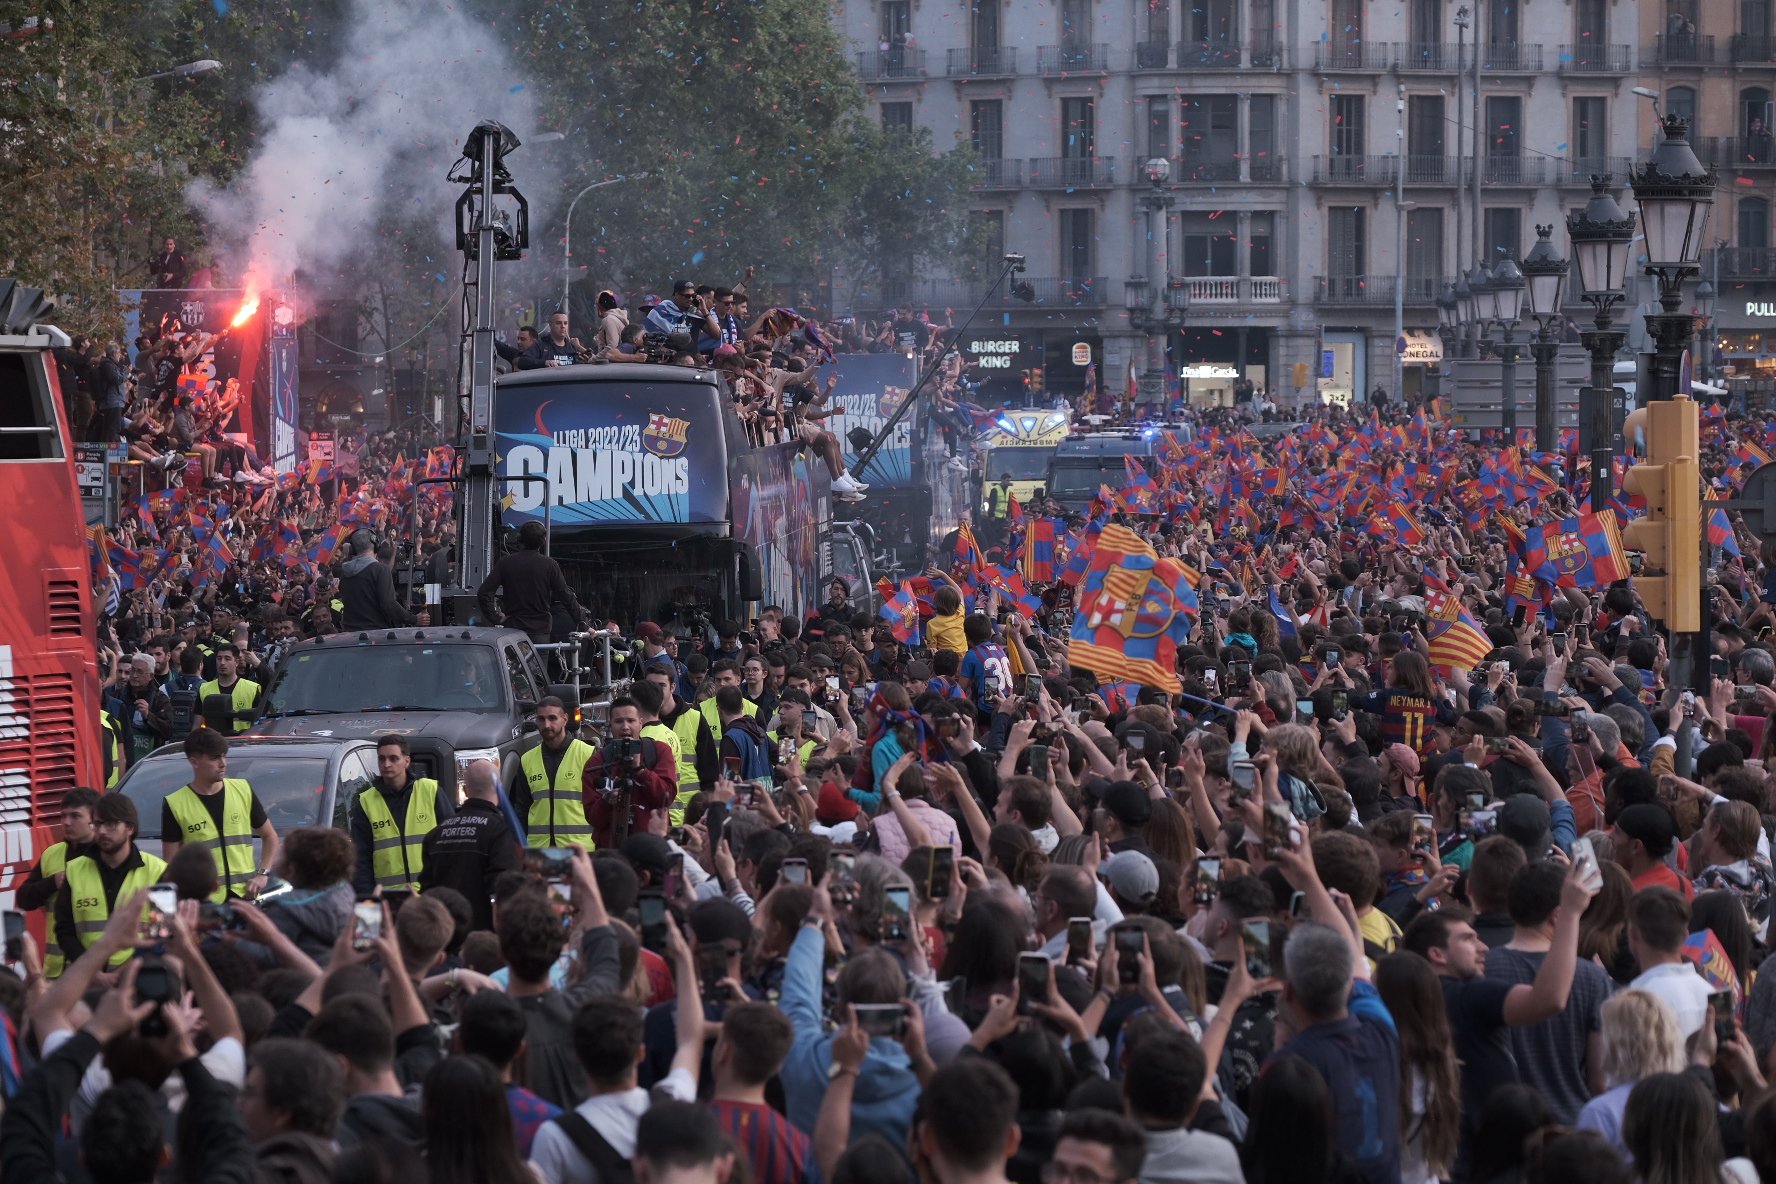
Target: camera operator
631	778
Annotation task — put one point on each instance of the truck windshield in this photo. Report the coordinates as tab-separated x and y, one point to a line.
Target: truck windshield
1080	476
1024	464
387	677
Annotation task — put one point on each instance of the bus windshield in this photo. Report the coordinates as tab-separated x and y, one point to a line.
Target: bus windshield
1024	464
328	680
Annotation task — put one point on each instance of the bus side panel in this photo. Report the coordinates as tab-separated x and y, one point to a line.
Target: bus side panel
782	500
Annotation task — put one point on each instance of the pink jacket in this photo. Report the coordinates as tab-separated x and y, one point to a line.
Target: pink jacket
893	839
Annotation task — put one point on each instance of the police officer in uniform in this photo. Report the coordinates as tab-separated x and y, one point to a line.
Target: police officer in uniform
546	790
243	693
95	882
221	814
40	887
473	848
390	820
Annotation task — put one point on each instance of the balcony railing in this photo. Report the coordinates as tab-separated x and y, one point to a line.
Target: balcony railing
1199	170
983	61
1069	172
1213	54
1428	57
1052	60
1353	170
1355	289
1593	58
1753	49
1421	289
1684	49
1050	292
1228	290
1267	54
1514	170
1152	55
1267	169
1742	263
1361	55
1739	152
1509	57
999	174
1424	169
878	65
1578	170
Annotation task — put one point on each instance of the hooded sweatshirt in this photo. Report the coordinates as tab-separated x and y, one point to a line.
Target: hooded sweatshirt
296	1159
367	589
369	1116
312	918
886	1090
1196	1157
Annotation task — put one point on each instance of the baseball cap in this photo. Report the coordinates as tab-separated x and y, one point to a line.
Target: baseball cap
1524	820
918	672
833	807
648	853
1128	803
1402	757
1132	875
648	631
1651	825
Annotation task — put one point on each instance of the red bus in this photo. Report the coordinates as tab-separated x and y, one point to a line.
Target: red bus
49	682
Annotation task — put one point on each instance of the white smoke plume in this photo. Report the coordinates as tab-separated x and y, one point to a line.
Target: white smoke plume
365	141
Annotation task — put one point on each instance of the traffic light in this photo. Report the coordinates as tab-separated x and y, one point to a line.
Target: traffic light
1670	535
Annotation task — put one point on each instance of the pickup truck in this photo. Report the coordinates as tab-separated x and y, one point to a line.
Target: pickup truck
471	689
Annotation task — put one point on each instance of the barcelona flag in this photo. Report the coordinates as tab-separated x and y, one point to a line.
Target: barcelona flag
1039	550
1580	552
901	611
1455	638
968	551
1134	610
1720	530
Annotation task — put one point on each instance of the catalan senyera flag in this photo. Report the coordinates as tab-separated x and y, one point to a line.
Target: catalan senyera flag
1134	610
1580	552
1455	638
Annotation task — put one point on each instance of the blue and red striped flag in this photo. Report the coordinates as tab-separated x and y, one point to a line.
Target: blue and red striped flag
901	611
1039	549
1135	609
1581	552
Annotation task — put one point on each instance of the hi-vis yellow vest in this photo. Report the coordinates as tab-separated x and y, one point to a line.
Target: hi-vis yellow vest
233	848
113	751
92	910
54	859
557	812
244	695
396	848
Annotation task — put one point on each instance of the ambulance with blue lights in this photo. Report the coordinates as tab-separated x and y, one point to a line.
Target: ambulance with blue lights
1017	447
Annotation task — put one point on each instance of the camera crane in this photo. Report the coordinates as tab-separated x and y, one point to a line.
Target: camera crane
492	225
1012	265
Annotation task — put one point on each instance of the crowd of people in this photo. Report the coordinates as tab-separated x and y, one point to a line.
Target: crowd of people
862	898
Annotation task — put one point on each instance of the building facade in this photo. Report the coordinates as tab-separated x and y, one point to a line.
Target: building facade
1281	235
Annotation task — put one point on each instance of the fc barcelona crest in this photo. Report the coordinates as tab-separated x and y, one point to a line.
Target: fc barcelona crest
1568	553
665	436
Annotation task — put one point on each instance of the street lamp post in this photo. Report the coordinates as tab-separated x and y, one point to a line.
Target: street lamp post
1464	315
1448	310
1675	193
1704	330
567	236
1480	283
1507	306
1545	274
1601	235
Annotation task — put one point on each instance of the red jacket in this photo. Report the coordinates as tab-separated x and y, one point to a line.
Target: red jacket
656	787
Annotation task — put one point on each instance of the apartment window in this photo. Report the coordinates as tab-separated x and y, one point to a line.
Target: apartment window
1261	246
1424	141
986	128
1590	129
1501	233
985	22
1349	135
1754	223
1501	30
1347	29
1212	22
994	223
1158	25
1078	128
1261	140
1159	127
1427	31
1754	121
1078	245
1681	101
1754	18
1075	22
1347	251
1504	126
1208	131
897	117
1211	246
897	26
1264	33
1424	250
1591	30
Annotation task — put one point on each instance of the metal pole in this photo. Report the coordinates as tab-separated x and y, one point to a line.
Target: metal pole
567	236
1544	348
1461	65
1603	342
476	556
1400	270
1478	139
1670	329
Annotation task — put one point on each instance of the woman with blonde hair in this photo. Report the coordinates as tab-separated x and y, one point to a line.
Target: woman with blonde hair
1297	769
1640	1038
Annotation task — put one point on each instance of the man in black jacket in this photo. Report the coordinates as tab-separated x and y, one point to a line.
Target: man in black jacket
367	588
530	586
468	852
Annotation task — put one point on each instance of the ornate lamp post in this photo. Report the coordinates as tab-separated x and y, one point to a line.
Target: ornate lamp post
1545	274
1601	237
1675	193
1507	306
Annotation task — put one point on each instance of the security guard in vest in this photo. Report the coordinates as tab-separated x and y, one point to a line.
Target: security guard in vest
792	735
220	814
727	674
545	791
648	701
113	741
699	757
242	692
97	881
390	820
40	887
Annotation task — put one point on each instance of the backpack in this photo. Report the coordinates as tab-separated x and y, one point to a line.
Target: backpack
755	758
607	1166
